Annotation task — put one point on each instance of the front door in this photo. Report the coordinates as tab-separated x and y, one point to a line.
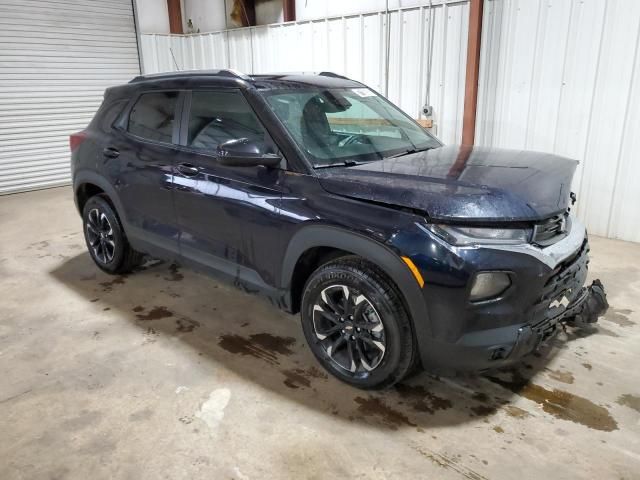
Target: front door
228	216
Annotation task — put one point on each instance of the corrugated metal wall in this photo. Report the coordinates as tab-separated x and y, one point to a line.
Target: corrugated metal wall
563	76
351	45
56	59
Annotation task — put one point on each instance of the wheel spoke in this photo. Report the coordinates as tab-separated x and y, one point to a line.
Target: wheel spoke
100	253
109	249
377	328
332	317
375	343
352	358
346	300
105	226
335	345
91	229
326	333
92	235
363	360
93	219
366	325
328	303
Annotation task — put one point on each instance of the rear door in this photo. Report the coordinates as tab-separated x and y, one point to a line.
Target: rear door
144	148
228	216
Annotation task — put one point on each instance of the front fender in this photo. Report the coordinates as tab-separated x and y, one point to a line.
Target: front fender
375	252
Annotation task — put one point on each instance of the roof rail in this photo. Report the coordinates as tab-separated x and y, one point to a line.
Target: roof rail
232	72
225	72
334	75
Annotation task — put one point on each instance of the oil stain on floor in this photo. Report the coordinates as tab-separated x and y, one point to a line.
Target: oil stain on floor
108	285
302	377
560	404
628	400
422	400
264	346
561	376
156	313
619	316
376	407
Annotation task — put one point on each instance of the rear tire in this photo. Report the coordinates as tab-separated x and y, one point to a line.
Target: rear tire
105	238
356	324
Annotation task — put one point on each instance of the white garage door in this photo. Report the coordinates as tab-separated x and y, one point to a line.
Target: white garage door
56	59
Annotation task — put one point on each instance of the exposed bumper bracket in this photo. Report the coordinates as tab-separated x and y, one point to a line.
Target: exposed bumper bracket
591	304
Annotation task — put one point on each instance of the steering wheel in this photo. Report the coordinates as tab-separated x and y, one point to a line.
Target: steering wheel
356	139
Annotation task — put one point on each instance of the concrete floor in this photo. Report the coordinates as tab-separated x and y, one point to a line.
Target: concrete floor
167	374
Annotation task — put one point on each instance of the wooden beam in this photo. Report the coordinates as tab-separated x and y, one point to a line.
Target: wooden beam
472	74
175	16
289	10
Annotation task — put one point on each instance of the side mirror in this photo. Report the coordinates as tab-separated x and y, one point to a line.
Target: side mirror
245	153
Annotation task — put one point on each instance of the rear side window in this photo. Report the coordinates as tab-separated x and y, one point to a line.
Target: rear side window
153	116
217	117
109	114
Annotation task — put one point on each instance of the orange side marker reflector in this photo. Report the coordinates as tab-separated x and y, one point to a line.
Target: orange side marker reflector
414	270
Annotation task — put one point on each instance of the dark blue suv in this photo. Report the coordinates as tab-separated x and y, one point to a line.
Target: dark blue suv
320	194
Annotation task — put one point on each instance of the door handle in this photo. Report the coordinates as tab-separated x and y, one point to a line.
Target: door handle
188	170
111	152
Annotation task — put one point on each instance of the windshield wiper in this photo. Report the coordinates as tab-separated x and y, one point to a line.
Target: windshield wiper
410	151
345	163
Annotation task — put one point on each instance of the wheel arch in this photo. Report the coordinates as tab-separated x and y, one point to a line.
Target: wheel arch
87	183
350	243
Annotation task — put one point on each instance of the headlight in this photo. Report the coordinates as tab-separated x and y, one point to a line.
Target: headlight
460	235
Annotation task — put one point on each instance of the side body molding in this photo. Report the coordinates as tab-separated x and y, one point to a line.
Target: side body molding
369	249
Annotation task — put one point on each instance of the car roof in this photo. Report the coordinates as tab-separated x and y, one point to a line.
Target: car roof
228	77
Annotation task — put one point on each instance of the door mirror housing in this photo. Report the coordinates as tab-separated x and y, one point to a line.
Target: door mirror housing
243	152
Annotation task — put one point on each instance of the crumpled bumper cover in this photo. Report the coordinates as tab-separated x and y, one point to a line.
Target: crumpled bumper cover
590	304
484	354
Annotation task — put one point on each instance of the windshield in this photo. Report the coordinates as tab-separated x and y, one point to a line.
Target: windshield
339	126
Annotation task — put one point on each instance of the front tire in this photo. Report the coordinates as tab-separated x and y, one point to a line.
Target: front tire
356	324
105	238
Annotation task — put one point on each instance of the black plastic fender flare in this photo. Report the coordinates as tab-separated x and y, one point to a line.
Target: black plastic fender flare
369	249
88	176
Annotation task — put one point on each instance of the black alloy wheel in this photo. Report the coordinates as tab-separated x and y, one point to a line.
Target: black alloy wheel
100	236
349	329
356	324
105	237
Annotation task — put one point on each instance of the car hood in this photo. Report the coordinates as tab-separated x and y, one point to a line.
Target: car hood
457	183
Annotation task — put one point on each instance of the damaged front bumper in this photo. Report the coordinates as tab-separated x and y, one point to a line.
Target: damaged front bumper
508	345
590	303
549	291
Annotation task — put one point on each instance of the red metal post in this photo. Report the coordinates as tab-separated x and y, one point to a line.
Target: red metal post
175	16
289	10
472	74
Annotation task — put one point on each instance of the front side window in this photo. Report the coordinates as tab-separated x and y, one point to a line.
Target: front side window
217	117
153	116
340	125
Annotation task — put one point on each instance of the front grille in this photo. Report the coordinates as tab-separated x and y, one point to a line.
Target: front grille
551	230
